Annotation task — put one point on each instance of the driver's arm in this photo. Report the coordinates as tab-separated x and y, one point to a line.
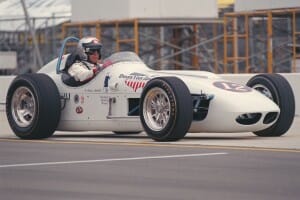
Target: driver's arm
80	72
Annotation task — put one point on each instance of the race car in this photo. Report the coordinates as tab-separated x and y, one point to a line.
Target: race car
128	97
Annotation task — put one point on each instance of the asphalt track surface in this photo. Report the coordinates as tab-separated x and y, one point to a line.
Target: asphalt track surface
81	170
103	165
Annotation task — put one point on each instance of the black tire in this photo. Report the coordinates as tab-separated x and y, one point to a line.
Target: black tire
278	89
127	133
175	106
33	106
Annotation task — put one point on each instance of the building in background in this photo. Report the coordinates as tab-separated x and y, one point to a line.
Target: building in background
46	17
262	36
222	36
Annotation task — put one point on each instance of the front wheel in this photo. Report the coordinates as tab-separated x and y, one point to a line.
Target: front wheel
166	109
278	89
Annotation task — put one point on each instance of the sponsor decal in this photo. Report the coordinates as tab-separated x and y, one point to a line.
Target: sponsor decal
106	81
79	110
76	98
66	96
233	87
82	99
92	90
104	99
135	80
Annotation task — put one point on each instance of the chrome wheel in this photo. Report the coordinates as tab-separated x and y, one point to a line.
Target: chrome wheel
166	109
156	109
23	107
264	90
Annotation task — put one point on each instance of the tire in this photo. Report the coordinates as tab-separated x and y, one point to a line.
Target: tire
127	133
277	88
166	109
33	106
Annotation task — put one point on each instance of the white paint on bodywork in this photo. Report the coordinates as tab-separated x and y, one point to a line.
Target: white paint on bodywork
223	110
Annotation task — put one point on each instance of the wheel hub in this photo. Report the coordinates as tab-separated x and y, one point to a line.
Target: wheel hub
156	109
23	106
264	90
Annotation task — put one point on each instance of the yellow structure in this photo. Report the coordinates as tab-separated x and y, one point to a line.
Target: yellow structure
232	36
225	3
225	46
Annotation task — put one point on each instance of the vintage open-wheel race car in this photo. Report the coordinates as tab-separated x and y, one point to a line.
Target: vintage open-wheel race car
129	97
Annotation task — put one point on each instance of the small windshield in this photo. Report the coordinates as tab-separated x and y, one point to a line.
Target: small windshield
124	56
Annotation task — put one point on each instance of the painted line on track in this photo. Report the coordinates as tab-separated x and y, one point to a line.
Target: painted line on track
110	160
155	144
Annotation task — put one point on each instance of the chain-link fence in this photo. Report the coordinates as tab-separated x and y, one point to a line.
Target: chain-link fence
48	37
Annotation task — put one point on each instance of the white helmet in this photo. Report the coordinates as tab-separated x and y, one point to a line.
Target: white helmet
88	45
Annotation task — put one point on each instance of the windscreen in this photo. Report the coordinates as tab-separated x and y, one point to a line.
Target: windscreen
125	56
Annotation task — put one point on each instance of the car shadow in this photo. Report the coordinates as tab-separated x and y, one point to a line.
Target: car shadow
98	136
142	136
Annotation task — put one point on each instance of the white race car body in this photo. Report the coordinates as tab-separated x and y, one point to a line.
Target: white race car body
129	97
103	103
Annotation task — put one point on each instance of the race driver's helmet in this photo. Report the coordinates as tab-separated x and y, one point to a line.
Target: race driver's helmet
88	45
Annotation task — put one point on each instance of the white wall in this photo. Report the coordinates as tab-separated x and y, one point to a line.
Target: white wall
92	10
173	9
8	59
248	5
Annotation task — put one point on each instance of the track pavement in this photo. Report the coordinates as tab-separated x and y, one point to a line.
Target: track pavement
103	165
291	140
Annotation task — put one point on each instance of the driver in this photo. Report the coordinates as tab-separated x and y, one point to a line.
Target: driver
89	66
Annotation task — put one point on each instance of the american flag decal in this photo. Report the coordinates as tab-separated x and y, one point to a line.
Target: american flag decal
135	84
135	80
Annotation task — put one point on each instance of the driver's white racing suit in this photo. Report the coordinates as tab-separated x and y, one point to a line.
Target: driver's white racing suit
83	71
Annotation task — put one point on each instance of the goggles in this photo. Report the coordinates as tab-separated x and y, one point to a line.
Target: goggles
92	51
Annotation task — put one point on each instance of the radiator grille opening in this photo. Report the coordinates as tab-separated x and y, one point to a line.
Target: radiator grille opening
270	117
248	118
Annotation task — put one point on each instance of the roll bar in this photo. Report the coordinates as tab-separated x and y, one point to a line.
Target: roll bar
61	52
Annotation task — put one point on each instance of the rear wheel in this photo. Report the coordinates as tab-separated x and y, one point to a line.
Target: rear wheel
33	106
166	109
278	89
